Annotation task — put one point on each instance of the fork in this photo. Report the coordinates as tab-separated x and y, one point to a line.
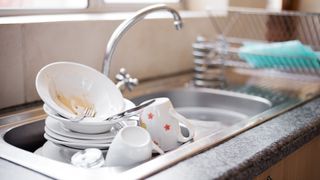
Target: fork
87	112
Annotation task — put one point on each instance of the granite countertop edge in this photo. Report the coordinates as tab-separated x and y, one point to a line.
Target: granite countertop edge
254	151
274	153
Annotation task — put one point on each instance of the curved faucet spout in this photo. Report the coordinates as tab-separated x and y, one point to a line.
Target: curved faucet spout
127	24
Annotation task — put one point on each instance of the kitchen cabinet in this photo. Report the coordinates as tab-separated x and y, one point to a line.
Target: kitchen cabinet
302	164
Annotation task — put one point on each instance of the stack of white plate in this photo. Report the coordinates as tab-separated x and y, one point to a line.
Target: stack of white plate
63	143
58	134
88	136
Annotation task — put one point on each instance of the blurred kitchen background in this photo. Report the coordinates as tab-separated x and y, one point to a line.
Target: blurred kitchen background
34	33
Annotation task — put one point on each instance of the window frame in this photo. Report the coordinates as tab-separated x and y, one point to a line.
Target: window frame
94	6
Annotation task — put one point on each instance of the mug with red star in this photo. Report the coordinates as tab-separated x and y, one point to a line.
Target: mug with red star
162	122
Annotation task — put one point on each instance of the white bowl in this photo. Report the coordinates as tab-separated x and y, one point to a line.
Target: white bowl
88	125
68	87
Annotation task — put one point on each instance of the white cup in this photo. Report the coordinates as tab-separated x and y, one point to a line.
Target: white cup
132	145
162	122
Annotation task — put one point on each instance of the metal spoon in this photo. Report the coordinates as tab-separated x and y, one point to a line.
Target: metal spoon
130	112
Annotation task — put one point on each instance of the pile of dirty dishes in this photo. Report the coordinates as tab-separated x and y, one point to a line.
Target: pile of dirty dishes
63	143
57	132
68	89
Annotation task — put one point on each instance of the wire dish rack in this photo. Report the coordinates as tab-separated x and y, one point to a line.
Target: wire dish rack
285	43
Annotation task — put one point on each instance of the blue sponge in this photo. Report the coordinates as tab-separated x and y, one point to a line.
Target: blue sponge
289	54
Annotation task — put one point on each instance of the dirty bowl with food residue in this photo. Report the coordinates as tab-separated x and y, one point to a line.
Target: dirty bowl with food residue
68	88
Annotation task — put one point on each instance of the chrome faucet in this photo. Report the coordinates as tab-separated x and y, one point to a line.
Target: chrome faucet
127	24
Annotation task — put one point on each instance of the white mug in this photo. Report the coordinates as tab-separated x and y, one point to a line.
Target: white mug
162	122
132	145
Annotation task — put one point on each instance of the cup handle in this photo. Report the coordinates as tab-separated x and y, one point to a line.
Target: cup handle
182	119
157	148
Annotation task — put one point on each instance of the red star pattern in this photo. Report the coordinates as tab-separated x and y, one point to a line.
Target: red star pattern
167	127
150	116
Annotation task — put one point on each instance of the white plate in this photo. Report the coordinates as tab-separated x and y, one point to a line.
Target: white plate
76	140
67	87
88	126
76	145
56	126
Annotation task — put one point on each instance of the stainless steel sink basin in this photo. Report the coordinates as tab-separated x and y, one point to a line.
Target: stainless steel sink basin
216	114
210	110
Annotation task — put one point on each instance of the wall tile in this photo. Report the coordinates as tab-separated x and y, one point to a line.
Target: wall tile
82	42
150	49
154	48
11	66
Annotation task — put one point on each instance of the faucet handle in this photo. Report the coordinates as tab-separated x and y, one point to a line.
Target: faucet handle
122	72
125	81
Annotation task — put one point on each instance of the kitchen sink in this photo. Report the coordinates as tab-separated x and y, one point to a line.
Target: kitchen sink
211	110
216	114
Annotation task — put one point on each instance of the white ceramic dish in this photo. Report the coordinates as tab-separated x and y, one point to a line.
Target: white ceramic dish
76	140
90	126
58	152
131	146
76	144
38	151
68	87
55	152
56	126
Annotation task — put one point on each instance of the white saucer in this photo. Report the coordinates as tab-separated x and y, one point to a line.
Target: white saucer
68	139
75	144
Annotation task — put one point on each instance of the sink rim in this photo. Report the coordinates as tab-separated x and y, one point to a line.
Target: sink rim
220	92
235	94
49	167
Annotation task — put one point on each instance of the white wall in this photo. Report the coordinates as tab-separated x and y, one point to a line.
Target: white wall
309	6
151	48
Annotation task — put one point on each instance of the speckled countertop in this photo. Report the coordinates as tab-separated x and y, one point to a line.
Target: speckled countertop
250	153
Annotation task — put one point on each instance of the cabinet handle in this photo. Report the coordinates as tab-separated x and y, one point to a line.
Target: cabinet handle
269	178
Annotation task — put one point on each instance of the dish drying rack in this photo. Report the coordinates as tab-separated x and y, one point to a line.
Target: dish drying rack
245	26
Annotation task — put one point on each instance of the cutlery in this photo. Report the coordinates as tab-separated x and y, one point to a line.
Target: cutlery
130	112
87	112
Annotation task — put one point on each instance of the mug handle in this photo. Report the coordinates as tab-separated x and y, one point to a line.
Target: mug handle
157	148
182	119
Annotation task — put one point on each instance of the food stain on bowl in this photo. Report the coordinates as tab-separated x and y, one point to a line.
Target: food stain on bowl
71	103
66	87
74	104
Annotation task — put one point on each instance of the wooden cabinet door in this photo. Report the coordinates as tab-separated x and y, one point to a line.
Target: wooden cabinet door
303	164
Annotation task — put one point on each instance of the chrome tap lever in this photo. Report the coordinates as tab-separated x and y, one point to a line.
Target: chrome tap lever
125	81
